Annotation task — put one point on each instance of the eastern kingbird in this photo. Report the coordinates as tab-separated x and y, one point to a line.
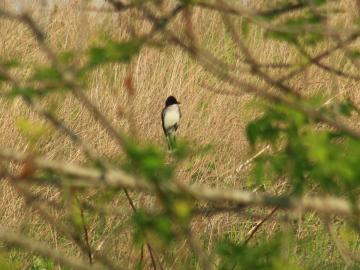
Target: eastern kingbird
170	118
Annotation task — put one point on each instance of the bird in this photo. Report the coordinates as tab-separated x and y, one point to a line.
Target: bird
170	118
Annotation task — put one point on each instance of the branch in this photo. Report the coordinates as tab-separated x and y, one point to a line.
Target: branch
66	75
69	81
340	45
242	11
259	18
246	87
89	177
65	230
347	255
215	66
42	249
325	67
57	123
254	229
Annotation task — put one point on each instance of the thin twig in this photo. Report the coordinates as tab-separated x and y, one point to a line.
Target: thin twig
254	229
340	45
250	160
63	229
86	234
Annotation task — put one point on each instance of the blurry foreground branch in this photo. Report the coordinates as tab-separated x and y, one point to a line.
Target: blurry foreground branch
42	249
90	177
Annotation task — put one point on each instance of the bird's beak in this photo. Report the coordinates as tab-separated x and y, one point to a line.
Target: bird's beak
178	102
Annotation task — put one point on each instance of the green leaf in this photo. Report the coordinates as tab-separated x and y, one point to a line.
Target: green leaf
148	161
309	18
114	52
8	64
182	210
11	63
3	78
32	130
67	57
312	38
347	107
42	264
258	170
27	92
263	256
283	36
75	215
262	129
245	27
157	225
48	74
7	264
318	2
188	2
354	54
293	25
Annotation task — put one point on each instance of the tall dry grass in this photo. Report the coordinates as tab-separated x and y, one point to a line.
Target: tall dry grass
208	118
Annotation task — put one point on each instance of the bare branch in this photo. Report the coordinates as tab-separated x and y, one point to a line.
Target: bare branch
42	249
61	228
348	256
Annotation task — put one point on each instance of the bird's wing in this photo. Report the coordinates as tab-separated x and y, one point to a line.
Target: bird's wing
162	121
178	123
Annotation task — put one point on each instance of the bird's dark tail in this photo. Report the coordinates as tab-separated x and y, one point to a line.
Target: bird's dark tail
171	141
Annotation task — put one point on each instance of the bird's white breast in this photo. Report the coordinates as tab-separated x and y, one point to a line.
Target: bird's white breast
172	116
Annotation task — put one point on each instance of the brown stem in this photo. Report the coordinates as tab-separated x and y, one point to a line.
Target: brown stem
86	234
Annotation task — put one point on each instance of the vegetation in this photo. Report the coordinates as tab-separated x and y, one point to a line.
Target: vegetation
265	171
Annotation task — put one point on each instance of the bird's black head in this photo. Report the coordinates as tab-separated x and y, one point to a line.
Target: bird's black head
171	100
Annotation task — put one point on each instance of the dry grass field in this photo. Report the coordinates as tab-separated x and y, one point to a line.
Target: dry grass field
208	118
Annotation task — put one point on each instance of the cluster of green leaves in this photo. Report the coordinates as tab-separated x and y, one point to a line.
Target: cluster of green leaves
305	153
265	255
7	64
301	28
149	162
14	260
6	263
33	131
114	51
42	264
49	78
157	227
